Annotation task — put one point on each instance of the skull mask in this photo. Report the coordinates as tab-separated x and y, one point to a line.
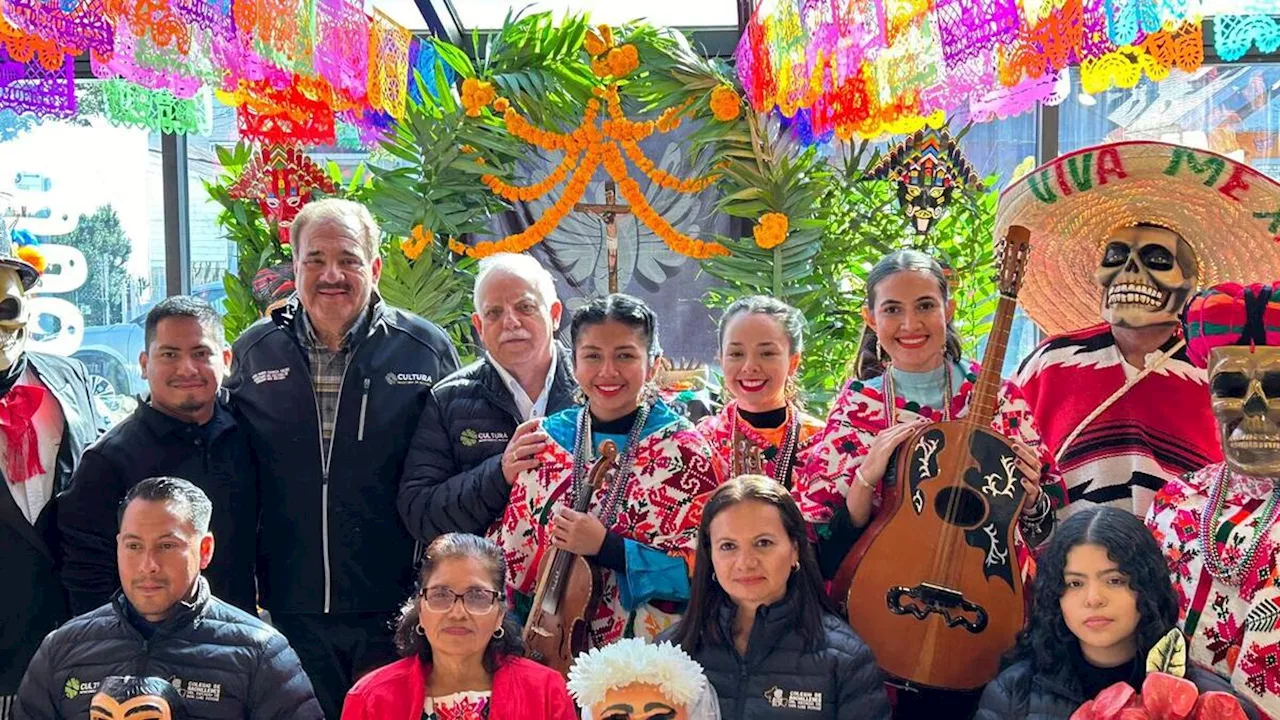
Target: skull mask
14	313
1245	383
1147	274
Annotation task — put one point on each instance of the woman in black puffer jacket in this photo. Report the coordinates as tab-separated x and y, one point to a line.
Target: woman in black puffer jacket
759	622
1102	599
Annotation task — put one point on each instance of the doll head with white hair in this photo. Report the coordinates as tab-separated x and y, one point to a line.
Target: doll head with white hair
633	680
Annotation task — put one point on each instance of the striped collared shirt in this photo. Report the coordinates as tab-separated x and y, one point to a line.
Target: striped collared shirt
328	366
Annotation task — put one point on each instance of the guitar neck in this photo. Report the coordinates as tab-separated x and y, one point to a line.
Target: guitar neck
982	404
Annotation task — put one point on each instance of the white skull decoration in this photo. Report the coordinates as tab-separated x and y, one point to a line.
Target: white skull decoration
14	314
1147	274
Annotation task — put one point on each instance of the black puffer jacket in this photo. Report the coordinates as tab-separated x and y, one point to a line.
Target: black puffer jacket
225	662
453	473
780	678
1020	693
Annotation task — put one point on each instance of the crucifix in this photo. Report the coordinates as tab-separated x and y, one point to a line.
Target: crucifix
609	213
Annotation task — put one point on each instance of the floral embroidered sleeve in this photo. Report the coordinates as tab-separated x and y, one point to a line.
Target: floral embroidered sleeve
821	486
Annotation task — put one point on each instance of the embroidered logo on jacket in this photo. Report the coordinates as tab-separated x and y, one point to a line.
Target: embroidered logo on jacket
197	690
472	437
394	378
793	699
270	375
75	687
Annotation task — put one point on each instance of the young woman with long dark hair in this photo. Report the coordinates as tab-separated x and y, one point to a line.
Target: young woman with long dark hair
1102	599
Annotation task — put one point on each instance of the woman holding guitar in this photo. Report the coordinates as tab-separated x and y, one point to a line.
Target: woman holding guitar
640	523
909	373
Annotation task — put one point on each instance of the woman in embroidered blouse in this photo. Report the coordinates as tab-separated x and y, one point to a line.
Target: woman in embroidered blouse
462	650
910	363
761	339
642	525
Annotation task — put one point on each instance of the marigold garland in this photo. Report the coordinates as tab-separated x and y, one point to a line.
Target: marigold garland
671	118
663	178
601	146
771	230
514	193
458	248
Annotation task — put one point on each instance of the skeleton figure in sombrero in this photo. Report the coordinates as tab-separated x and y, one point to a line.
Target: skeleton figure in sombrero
47	418
1217	526
1124	234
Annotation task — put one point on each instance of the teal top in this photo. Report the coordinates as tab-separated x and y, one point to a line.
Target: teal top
923	388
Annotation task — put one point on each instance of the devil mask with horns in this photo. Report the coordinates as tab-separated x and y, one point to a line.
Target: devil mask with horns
1234	331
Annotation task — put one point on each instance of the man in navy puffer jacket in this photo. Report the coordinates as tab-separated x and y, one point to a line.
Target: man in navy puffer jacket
224	662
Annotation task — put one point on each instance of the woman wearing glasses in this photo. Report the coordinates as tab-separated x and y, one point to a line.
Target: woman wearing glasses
462	653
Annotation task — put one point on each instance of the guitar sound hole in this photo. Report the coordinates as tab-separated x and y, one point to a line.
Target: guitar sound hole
960	506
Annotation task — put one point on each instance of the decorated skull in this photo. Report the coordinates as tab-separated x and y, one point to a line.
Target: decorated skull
1147	274
1245	384
14	314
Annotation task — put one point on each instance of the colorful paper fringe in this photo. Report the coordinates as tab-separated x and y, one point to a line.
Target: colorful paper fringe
869	67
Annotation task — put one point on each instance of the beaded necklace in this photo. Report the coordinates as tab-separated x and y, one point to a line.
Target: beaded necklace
786	452
891	394
1211	524
584	452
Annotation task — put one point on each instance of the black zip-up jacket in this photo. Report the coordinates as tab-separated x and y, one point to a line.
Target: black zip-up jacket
1021	693
453	478
781	678
330	538
225	663
214	457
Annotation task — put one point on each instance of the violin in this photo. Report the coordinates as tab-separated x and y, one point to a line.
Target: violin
933	585
568	590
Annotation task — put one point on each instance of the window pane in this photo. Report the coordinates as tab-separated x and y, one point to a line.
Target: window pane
88	185
1224	108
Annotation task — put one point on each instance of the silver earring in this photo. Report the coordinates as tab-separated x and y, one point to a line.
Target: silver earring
418	629
499	633
796	566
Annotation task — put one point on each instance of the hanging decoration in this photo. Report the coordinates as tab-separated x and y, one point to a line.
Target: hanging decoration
866	68
595	143
157	110
929	169
282	178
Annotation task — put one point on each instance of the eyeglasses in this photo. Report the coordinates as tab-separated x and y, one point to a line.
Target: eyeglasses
477	601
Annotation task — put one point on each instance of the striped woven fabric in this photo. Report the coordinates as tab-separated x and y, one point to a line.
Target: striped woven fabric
1232	314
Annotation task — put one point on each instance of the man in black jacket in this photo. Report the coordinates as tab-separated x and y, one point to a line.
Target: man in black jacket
225	662
48	411
481	428
329	389
182	431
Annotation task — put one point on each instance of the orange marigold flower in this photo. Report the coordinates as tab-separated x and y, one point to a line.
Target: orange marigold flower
33	257
457	248
600	66
417	242
594	43
606	33
501	105
771	230
726	105
623	60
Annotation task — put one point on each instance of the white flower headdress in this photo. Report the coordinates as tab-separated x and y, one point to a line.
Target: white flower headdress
632	660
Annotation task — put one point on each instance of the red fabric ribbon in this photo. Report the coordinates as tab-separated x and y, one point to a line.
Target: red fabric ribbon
17	407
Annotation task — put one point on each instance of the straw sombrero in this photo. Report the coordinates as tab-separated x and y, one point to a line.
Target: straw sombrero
1227	211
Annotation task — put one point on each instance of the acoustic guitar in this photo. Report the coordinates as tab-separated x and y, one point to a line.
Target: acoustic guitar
933	585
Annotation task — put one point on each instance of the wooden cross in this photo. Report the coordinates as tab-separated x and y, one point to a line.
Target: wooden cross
609	213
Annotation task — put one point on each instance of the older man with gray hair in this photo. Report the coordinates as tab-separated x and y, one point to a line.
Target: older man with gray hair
328	390
481	427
